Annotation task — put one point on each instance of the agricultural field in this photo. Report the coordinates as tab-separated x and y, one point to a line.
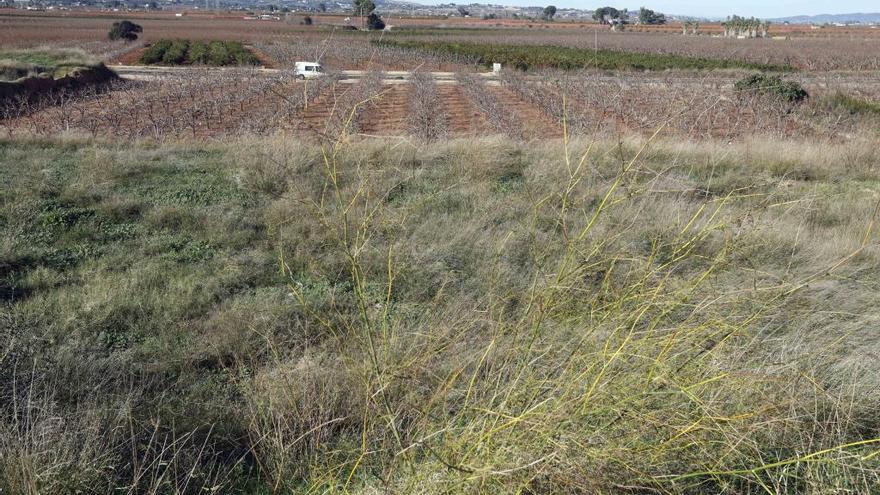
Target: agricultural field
801	52
185	52
634	262
209	104
560	57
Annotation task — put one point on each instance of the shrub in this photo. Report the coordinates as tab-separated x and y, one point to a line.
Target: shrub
124	30
375	23
772	86
176	53
154	53
218	53
240	54
307	20
198	53
427	117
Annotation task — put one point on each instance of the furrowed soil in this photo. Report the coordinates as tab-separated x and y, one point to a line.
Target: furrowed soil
464	117
388	113
535	122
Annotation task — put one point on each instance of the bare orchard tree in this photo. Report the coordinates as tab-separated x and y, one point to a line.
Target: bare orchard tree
427	119
552	96
504	120
349	105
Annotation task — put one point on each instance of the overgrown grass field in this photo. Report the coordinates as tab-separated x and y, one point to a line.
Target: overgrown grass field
471	316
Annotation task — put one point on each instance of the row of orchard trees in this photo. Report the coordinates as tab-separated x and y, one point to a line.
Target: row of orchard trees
736	26
690	27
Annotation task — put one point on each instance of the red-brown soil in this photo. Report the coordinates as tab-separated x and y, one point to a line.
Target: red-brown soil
313	119
386	115
464	118
535	122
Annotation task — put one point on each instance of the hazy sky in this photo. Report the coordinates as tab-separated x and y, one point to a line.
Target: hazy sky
715	8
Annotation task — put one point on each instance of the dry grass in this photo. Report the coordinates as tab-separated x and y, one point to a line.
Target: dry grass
262	316
16	64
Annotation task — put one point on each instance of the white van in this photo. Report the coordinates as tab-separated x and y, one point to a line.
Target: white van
308	70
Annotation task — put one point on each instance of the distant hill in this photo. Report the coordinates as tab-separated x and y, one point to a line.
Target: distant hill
859	18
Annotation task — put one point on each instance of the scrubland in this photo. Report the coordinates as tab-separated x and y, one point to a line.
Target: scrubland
270	315
553	281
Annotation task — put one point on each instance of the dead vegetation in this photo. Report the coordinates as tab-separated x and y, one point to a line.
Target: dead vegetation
428	119
200	103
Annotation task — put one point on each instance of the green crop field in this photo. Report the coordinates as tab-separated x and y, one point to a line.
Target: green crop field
526	57
184	52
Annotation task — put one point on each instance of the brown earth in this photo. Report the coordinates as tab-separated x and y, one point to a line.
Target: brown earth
387	114
129	58
313	119
463	116
535	122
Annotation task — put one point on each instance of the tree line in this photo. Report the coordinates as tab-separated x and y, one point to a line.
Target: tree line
736	26
613	16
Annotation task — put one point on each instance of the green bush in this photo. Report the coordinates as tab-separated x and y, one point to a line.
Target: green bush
198	53
772	86
240	54
218	54
154	53
375	23
176	53
124	30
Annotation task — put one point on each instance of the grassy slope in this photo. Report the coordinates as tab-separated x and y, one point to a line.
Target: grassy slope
15	64
470	316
